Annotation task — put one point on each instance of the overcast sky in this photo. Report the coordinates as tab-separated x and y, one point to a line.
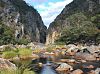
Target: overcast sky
48	9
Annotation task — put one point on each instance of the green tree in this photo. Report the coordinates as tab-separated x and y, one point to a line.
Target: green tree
96	20
81	30
6	34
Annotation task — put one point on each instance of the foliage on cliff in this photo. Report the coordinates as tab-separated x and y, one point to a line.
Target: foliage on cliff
81	30
80	22
6	34
23	21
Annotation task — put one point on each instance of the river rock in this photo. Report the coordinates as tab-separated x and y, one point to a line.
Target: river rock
7	47
68	60
78	71
5	64
72	47
91	72
97	71
92	49
71	60
89	66
85	56
64	67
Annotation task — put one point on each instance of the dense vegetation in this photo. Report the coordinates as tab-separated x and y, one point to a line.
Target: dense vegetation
81	30
7	36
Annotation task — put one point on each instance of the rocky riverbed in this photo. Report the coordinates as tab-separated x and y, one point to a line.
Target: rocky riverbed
66	59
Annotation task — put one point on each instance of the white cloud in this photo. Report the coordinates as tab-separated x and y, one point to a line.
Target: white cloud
50	10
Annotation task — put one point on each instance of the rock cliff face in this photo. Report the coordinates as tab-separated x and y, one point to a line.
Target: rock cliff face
88	7
23	19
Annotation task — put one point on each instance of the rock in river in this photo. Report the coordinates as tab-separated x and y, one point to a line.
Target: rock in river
64	67
78	71
5	64
85	56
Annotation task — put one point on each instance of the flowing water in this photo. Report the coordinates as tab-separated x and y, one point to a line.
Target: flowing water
47	70
48	67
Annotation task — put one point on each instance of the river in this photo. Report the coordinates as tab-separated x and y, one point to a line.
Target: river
48	67
47	70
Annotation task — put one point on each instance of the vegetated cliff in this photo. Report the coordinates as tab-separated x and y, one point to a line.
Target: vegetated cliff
22	21
73	23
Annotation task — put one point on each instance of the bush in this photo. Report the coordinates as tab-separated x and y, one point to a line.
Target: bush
6	34
96	20
22	41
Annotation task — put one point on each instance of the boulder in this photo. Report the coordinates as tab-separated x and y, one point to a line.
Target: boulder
5	64
89	66
97	71
83	61
68	60
72	47
7	47
85	56
78	71
92	49
91	72
64	67
71	61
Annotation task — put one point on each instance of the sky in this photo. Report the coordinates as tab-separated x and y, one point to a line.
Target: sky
48	9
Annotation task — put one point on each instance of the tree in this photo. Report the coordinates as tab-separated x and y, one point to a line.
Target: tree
81	30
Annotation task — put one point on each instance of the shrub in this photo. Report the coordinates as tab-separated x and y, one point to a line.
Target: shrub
6	34
22	41
96	20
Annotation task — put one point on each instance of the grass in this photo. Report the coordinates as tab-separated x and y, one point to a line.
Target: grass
9	54
17	71
22	63
25	52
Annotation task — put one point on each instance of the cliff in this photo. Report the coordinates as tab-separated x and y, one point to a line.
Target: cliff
87	8
24	21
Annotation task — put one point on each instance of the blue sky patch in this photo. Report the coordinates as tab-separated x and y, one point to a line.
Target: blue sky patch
48	9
